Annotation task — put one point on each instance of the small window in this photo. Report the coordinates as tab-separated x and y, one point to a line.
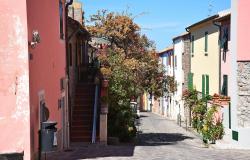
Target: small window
61	18
175	62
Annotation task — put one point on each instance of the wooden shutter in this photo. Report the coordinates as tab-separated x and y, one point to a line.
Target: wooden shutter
190	81
225	84
203	86
207	85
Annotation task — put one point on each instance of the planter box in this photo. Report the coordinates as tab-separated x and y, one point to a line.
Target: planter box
104	110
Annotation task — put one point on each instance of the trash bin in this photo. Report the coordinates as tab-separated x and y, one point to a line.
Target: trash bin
48	136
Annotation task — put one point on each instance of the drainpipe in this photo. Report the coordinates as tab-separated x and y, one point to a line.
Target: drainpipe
219	26
67	110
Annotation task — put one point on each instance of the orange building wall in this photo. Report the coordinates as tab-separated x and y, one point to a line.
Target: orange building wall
48	64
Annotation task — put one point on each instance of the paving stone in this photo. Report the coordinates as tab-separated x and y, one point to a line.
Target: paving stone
159	139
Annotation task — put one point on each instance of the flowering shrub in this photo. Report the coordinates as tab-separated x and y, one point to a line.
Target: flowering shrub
213	128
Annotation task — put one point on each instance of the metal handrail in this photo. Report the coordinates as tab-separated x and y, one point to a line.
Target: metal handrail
95	113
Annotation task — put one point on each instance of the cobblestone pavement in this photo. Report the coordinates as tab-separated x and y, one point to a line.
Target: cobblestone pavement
159	139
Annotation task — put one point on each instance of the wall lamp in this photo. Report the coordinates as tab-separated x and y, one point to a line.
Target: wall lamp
35	39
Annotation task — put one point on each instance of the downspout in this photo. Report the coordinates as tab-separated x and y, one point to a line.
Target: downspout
67	116
219	26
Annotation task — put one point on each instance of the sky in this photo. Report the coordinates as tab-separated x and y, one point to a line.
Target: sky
160	20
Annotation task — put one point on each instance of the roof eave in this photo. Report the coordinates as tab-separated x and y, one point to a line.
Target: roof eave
203	21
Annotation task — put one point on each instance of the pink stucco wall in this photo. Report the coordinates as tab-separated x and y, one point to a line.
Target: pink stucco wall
14	79
243	31
48	64
226	64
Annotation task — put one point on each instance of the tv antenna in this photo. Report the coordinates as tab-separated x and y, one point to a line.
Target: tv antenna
210	8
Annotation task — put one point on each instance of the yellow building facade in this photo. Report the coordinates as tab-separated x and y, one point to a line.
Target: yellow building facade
205	56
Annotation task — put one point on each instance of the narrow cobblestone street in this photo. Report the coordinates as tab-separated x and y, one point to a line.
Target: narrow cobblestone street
158	139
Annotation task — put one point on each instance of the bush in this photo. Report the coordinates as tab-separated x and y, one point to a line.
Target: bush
121	122
212	130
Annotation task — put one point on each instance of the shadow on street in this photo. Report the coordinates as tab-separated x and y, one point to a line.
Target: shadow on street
122	150
156	139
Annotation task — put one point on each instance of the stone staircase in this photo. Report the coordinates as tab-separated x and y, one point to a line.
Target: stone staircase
82	113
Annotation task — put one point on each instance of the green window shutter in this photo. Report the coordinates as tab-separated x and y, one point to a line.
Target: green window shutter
235	135
206	41
203	86
190	81
207	85
225	78
192	85
192	44
224	90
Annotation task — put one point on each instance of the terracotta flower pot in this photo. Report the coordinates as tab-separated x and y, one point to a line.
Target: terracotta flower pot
105	83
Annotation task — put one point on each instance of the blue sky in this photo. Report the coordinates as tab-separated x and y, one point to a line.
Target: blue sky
162	19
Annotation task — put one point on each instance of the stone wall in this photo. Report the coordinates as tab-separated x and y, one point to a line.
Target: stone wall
186	63
243	108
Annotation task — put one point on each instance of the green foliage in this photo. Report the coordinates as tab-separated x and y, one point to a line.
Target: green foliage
190	97
131	65
171	84
203	119
212	129
198	113
121	122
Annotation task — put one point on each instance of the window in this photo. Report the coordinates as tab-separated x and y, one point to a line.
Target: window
192	40
175	61
70	55
206	41
205	85
224	42
76	56
224	90
61	18
169	60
